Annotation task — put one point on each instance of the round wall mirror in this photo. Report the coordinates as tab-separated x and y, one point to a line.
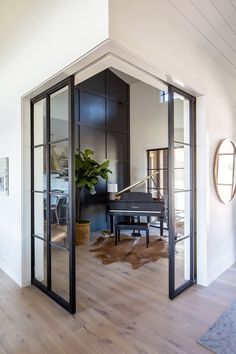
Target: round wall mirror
224	171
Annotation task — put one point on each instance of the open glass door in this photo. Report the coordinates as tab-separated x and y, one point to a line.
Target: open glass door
53	197
181	112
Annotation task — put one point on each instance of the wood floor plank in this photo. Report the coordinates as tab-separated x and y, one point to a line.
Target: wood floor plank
119	310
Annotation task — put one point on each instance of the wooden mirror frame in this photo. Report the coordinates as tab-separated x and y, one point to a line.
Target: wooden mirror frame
216	165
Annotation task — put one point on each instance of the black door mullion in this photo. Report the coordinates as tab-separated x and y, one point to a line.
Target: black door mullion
48	197
32	192
193	186
72	191
171	192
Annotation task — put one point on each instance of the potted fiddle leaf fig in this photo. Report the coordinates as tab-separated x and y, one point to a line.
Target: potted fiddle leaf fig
87	174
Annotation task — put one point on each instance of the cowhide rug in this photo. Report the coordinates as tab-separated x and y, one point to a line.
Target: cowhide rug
130	250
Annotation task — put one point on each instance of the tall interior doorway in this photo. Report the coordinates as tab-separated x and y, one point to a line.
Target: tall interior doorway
52	194
125	121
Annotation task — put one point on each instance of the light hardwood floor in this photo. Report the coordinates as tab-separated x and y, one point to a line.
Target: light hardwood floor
119	310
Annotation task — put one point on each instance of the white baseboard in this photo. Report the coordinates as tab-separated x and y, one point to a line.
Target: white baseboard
11	271
219	268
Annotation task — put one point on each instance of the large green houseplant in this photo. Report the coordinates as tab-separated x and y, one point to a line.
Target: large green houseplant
87	174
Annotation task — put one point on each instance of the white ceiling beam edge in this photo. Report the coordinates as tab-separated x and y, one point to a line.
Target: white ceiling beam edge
111	61
111	54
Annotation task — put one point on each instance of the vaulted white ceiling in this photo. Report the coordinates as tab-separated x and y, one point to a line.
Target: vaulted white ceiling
215	23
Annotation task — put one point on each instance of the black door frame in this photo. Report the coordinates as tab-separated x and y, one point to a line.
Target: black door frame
71	304
173	292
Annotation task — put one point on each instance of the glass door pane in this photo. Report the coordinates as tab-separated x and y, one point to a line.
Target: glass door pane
181	191
40	269
157	161
182	262
39	112
59	114
59	193
53	246
39	188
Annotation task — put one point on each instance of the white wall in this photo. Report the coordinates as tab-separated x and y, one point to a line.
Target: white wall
154	31
37	40
148	127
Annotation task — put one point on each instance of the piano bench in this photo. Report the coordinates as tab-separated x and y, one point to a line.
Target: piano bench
141	226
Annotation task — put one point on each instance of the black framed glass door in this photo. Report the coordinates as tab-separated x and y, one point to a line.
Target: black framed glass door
181	166
53	196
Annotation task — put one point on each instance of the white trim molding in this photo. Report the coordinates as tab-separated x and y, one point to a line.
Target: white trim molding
110	54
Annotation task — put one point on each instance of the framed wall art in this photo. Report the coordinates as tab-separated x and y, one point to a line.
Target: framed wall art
4	176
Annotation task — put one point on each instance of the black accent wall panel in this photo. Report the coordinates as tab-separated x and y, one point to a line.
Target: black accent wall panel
116	88
93	139
117	146
103	126
92	110
117	116
96	84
